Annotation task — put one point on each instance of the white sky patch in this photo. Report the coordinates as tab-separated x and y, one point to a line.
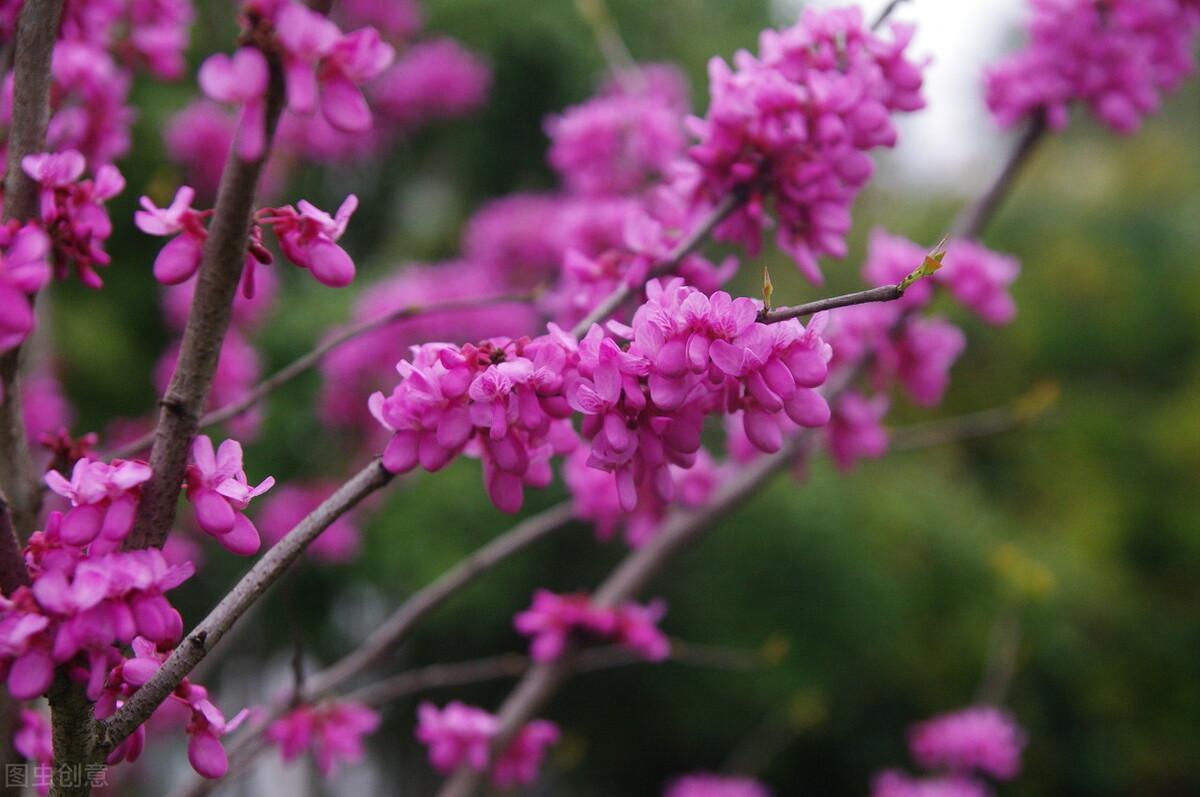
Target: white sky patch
953	143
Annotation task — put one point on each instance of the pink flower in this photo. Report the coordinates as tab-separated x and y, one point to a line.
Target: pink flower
342	62
520	763
332	731
461	735
794	124
896	784
180	258
24	270
981	738
437	79
34	742
1118	58
553	620
290	504
219	491
980	278
705	785
855	429
104	499
309	236
456	735
241	79
73	210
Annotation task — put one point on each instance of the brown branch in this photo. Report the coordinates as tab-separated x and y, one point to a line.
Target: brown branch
249	589
37	31
424	601
313	357
687	246
13	572
208	321
884	293
977	215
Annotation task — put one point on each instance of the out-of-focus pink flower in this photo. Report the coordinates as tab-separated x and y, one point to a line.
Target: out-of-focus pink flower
855	430
706	785
980	278
33	740
395	19
290	504
460	735
219	491
333	732
24	270
896	784
1118	57
248	312
436	79
981	739
240	79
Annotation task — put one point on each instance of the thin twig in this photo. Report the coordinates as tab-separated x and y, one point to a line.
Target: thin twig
313	357
970	223
13	572
1001	664
608	40
884	293
33	49
952	430
885	13
687	246
249	589
208	321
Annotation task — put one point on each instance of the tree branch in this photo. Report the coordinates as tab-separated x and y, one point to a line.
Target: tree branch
37	31
313	357
884	293
13	572
249	589
208	321
978	214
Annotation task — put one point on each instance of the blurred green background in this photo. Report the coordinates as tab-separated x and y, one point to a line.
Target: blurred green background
877	594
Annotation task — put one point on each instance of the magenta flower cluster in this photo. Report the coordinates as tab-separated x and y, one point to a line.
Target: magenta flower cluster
706	785
1117	57
793	125
333	732
555	620
963	746
219	491
460	735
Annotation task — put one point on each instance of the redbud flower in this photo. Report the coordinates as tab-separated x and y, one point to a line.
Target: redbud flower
705	785
979	279
1118	57
332	731
309	236
981	738
241	79
219	491
104	499
72	210
290	504
180	258
896	784
552	620
855	430
436	79
33	739
461	735
24	270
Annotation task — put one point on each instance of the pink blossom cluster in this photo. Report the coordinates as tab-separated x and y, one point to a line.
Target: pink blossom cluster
324	69
623	140
554	620
33	740
333	732
461	735
794	123
965	744
1118	57
984	739
104	498
905	348
24	270
204	723
219	491
290	504
595	497
433	80
72	210
705	785
79	606
146	33
352	370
